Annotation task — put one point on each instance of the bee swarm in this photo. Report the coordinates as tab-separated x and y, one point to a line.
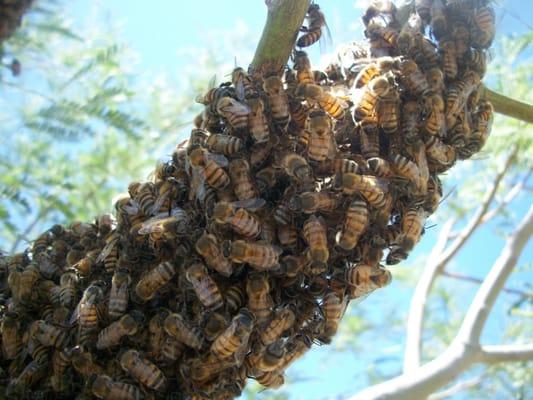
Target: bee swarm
11	12
246	247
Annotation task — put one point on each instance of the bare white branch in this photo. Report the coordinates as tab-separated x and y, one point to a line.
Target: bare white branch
465	349
437	263
506	353
457	388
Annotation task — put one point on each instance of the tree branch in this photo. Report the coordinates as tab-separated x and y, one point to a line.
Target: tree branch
415	319
465	349
492	285
285	17
468	278
458	387
506	353
507	106
437	263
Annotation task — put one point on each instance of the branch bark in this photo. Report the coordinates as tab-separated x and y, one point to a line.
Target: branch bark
468	278
285	17
438	261
465	349
507	106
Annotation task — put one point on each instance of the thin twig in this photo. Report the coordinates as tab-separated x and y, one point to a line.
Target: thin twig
467	278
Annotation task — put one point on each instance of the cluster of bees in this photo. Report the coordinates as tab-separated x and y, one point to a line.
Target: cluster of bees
11	12
244	249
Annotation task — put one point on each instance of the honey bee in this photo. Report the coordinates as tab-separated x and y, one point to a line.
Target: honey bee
103	387
145	196
233	342
294	264
68	283
386	35
477	61
238	218
86	312
355	224
271	380
266	179
485	21
207	246
213	324
287	236
410	34
302	65
364	278
412	226
202	370
153	280
42	242
60	363
209	168
297	346
176	326
29	377
11	337
233	111
440	153
435	78
439	25
333	307
243	83
321	143
260	256
331	104
449	59
224	144
171	349
314	233
260	152
298	111
257	120
367	99
434	194
413	78
296	167
388	112
204	286
458	94
373	189
83	362
143	370
239	170
311	202
260	302
127	325
277	100
483	119
374	69
316	22
48	335
283	320
406	169
27	283
235	297
270	358
119	293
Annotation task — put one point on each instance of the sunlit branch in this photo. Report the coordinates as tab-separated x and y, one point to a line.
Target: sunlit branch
437	263
507	106
457	388
285	17
465	349
506	353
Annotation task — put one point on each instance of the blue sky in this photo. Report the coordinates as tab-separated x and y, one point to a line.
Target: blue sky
165	35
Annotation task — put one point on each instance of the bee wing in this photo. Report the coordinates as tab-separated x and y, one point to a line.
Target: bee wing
155	224
106	250
239	89
250	204
159	202
198	185
212	82
326	39
76	313
236	107
220	159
